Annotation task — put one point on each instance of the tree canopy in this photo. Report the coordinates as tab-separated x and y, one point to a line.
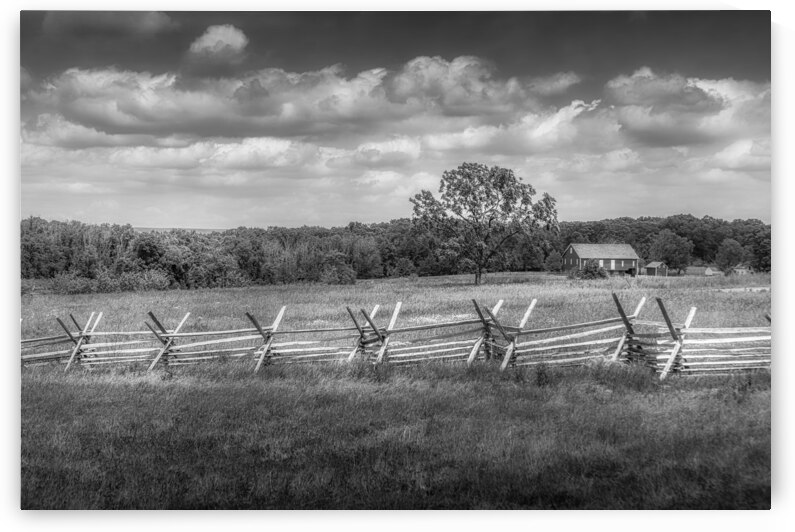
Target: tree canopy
479	211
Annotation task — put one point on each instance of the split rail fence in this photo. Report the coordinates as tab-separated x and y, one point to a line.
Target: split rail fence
666	347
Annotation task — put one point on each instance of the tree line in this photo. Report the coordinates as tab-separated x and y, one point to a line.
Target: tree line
109	257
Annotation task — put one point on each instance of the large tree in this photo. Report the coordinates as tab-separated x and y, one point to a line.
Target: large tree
481	210
675	251
730	254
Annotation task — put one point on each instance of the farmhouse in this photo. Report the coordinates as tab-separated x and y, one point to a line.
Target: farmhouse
615	258
657	268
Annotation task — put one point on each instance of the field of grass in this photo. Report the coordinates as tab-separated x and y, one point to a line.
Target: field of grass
436	436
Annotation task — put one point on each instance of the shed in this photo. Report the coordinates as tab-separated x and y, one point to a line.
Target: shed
657	268
742	269
614	258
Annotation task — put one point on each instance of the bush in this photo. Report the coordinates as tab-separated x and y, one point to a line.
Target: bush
70	283
338	274
590	270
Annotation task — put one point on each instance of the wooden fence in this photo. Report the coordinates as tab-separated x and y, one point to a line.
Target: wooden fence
666	347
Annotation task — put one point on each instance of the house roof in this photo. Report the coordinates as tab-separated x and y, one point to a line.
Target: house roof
605	251
655	264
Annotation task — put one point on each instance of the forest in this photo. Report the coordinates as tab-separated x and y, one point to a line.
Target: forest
77	257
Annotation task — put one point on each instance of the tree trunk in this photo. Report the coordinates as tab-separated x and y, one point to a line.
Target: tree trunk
478	275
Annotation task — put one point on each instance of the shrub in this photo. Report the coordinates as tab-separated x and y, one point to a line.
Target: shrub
70	283
590	270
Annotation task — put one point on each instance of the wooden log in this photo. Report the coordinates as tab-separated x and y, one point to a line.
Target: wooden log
717	341
512	345
564	346
499	326
669	364
46	344
433	358
429	352
382	352
424	346
730	330
49	354
124	351
562	361
216	342
624	318
68	332
441	325
435	337
60	337
211	333
722	363
569	327
114	344
583	334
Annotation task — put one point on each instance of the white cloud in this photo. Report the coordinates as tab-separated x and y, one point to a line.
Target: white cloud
224	41
555	84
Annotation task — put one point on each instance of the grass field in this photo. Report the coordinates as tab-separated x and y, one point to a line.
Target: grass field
436	436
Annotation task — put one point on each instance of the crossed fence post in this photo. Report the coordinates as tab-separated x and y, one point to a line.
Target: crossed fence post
677	335
630	331
513	338
267	336
366	337
486	336
166	338
83	338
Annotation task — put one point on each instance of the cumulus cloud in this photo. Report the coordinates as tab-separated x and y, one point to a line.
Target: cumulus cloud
670	110
383	135
217	52
464	86
107	22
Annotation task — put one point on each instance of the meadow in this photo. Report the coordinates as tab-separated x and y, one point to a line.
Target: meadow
432	436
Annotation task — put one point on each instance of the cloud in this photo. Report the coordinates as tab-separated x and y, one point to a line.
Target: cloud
218	52
249	139
83	23
670	110
464	86
554	84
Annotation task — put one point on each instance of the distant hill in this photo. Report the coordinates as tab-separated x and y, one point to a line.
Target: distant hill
164	229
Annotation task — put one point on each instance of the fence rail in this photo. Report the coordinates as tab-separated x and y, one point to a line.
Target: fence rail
664	346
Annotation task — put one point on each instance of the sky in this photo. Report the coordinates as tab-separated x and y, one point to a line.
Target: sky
219	120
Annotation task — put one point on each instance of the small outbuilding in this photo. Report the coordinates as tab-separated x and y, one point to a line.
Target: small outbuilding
704	271
614	258
657	268
742	269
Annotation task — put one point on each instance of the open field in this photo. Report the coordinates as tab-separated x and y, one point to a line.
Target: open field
435	436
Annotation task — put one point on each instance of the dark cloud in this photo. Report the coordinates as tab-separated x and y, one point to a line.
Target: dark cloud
86	23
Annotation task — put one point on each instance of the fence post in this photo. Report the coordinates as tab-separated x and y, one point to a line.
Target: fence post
266	336
167	341
512	345
389	327
362	341
627	334
678	337
80	341
486	334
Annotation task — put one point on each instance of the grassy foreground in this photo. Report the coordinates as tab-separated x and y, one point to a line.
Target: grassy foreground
356	437
217	436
